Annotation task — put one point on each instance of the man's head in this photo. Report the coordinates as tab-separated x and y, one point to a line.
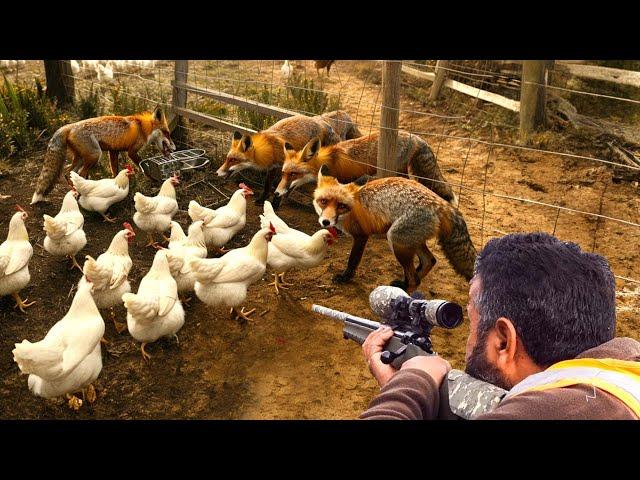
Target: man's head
534	301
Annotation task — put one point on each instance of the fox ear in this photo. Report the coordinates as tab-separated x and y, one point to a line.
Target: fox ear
246	143
363	180
311	149
157	113
324	170
237	135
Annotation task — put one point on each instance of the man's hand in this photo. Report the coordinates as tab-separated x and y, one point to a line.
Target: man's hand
437	367
372	349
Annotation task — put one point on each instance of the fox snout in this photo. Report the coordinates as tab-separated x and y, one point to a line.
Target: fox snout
223	171
326	221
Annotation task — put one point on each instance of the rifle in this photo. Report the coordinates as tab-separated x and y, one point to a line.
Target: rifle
411	318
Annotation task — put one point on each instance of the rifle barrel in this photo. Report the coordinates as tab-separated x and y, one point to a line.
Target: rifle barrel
345	317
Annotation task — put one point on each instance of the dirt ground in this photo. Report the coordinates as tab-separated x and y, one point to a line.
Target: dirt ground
290	363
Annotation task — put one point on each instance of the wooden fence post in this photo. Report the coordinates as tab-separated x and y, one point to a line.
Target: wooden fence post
60	84
179	99
389	115
532	97
441	73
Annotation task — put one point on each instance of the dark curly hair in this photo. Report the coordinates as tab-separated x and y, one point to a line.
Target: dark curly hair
560	299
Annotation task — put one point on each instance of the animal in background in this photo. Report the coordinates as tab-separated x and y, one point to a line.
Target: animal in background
105	72
222	224
15	253
99	195
109	273
69	358
407	212
75	67
264	151
350	159
286	70
181	249
320	64
155	311
85	140
224	280
292	249
65	234
154	214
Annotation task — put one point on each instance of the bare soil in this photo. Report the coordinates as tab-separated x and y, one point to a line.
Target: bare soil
290	363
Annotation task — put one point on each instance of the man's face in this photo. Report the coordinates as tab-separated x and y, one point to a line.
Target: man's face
479	361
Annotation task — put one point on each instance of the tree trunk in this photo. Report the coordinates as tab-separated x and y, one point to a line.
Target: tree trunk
60	81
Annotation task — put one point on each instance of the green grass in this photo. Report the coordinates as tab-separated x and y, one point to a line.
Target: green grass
27	116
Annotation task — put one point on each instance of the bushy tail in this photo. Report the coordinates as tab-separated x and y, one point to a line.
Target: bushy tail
457	245
424	164
54	161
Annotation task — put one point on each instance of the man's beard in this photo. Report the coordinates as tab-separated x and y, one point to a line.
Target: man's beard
479	367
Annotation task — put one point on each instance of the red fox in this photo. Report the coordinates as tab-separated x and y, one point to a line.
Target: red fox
407	212
350	159
85	140
265	150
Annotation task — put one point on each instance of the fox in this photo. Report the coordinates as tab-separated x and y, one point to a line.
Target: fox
350	159
406	211
264	150
85	140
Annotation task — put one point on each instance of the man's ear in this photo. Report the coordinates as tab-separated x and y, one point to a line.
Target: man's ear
505	342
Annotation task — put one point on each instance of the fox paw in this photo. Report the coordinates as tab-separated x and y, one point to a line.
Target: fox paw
342	277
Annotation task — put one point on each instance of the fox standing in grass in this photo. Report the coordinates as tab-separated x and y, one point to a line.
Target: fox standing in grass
407	212
85	140
265	150
350	159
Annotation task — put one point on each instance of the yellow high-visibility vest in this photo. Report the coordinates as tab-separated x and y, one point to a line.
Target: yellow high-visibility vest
620	378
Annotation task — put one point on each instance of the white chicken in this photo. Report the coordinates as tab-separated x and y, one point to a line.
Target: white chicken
285	70
154	214
224	280
222	224
181	249
108	273
105	72
99	195
15	253
291	248
65	235
69	358
90	64
75	67
155	311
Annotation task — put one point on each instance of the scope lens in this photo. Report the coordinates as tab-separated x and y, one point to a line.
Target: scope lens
449	315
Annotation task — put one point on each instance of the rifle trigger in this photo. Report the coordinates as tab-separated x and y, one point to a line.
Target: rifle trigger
388	357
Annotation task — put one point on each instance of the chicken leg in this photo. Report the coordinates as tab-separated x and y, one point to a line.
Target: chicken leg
107	218
145	355
74	402
242	314
91	395
21	304
74	263
221	250
278	281
152	241
120	326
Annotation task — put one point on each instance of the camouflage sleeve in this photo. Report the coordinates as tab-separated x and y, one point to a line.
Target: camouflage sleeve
410	395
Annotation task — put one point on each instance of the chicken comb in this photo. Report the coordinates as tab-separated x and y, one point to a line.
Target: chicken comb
272	228
128	167
128	226
19	208
245	187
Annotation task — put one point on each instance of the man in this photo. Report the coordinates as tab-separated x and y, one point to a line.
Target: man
542	316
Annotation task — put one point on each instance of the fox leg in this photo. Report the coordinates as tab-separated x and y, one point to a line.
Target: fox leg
133	155
405	256
357	249
88	144
114	162
427	261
